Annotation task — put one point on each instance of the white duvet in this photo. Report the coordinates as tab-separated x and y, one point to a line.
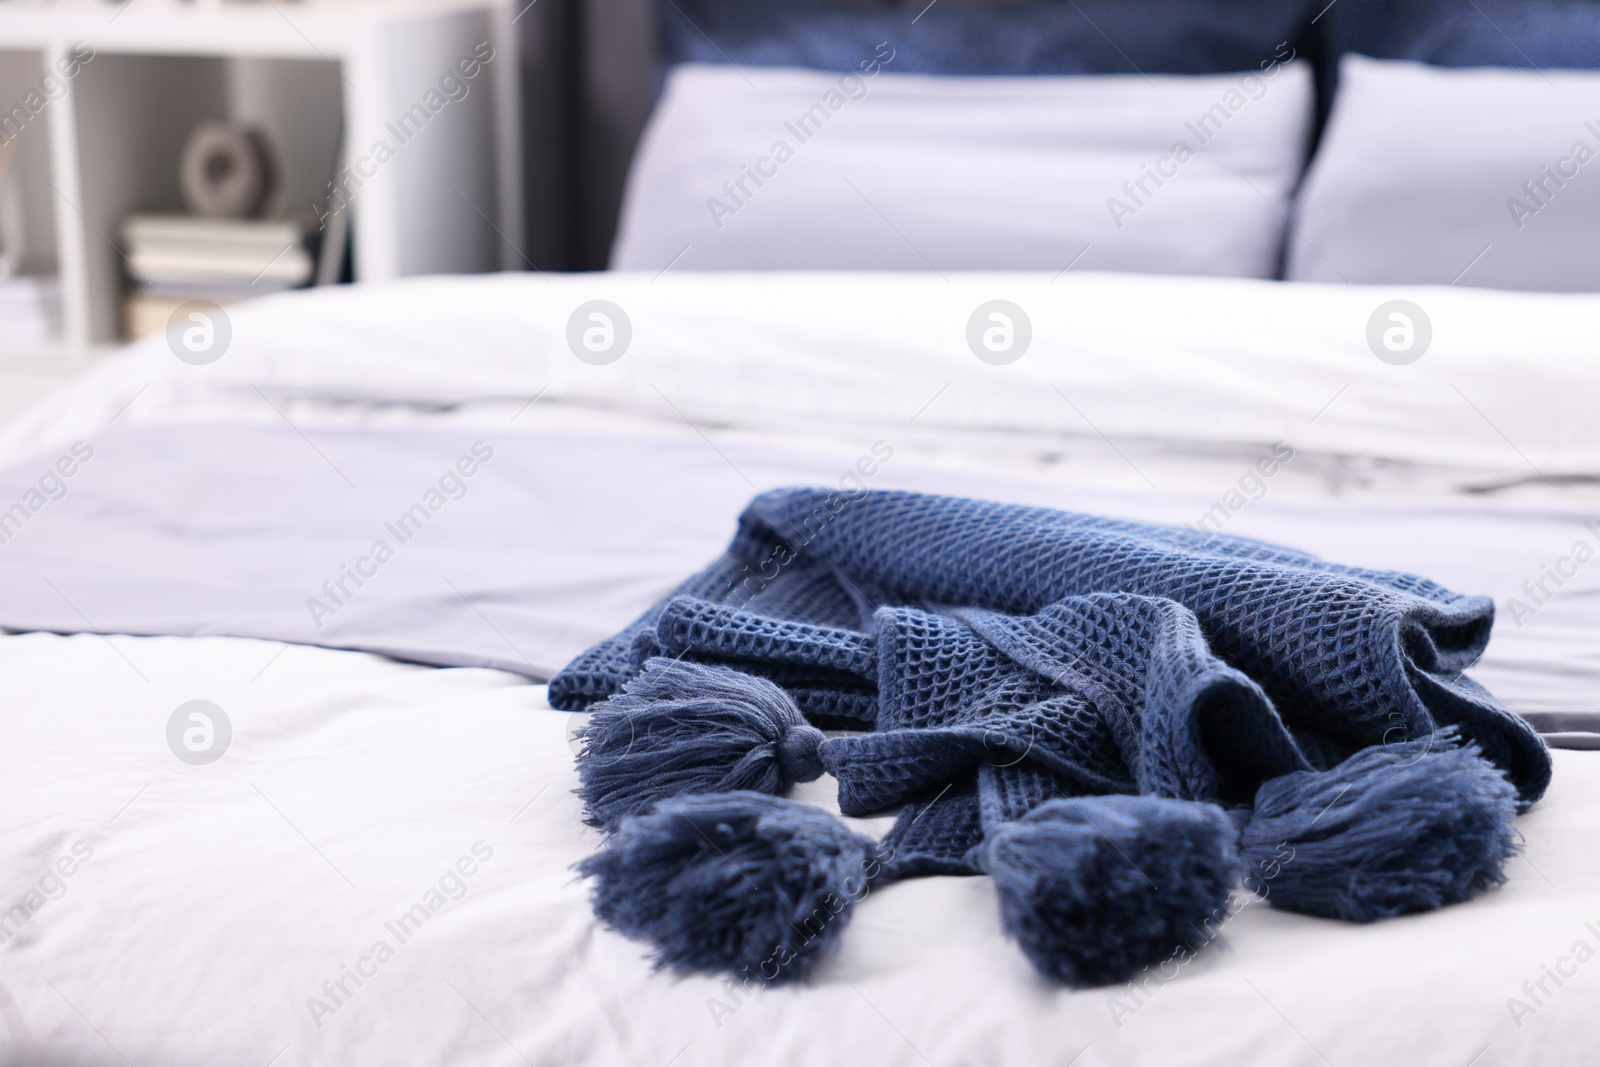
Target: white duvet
376	871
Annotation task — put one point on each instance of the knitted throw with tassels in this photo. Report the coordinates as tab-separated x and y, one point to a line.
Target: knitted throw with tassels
1118	722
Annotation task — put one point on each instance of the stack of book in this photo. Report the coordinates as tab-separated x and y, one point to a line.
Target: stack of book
173	259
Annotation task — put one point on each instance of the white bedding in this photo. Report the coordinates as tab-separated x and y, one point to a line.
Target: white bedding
216	903
1507	385
218	899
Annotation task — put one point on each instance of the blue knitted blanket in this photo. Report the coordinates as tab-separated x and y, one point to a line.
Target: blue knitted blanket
992	661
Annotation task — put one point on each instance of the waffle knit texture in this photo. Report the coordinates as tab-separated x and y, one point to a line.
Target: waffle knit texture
990	657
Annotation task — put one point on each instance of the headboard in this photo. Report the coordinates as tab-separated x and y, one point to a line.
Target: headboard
620	60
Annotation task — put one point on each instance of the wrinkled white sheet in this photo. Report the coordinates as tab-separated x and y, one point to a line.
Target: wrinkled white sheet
1506	389
217	900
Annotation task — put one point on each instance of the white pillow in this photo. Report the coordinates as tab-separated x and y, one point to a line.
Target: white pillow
919	172
1424	175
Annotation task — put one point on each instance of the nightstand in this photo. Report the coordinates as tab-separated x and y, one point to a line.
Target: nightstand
409	107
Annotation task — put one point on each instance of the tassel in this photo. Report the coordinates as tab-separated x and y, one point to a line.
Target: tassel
1393	829
1094	888
741	883
684	728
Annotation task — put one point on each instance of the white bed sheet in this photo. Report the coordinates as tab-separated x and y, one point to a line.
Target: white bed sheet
219	899
1506	388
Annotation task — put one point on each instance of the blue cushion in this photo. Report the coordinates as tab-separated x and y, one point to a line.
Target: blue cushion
1470	33
1054	37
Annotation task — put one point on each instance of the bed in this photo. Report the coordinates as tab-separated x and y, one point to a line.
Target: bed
217	912
273	797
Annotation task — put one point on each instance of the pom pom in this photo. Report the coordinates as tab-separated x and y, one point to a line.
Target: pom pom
740	882
1393	829
1095	888
683	728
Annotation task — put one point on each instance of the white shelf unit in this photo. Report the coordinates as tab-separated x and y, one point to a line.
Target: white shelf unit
315	75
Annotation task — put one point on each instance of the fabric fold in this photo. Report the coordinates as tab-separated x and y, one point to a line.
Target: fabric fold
1256	659
1116	723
